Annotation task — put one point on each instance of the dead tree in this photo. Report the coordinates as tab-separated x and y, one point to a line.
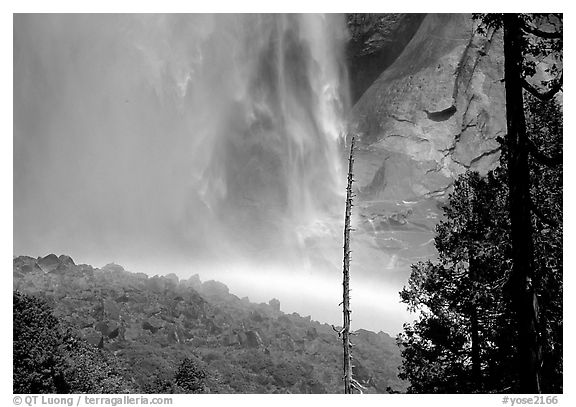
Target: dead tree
349	382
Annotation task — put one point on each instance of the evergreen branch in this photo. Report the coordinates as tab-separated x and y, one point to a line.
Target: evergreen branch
543	158
540	215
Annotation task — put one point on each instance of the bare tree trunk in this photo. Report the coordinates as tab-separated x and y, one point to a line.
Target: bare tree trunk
522	295
348	380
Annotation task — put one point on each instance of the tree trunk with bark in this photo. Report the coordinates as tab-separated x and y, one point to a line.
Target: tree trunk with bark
475	336
522	295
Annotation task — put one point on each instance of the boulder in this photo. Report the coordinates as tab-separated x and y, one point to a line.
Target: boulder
311	333
132	332
242	338
94	337
111	309
113	268
256	316
66	261
275	304
172	335
193	282
102	327
172	277
114	333
253	340
215	289
124	298
230	340
152	324
286	343
198	341
156	284
26	264
49	263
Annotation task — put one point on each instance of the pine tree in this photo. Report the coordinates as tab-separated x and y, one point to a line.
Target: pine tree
466	337
451	347
526	44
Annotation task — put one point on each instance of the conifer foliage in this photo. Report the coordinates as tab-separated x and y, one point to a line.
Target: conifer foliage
50	358
465	339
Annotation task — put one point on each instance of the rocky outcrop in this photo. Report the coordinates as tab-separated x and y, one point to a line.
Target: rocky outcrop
23	265
66	261
275	304
49	263
153	322
193	282
214	289
113	267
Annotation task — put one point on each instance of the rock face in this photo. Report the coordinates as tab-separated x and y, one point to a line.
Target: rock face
376	41
435	112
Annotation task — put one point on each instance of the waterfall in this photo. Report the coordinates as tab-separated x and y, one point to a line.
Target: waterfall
192	143
273	166
194	136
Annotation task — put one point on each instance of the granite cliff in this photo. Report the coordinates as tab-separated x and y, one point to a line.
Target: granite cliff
438	107
432	113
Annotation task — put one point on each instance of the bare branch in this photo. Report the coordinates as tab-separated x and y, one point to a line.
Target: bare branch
354	383
339	332
530	29
548	95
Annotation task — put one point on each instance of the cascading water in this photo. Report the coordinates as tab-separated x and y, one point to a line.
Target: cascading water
206	144
190	143
273	166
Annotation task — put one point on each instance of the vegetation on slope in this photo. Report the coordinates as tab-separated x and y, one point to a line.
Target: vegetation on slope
172	336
